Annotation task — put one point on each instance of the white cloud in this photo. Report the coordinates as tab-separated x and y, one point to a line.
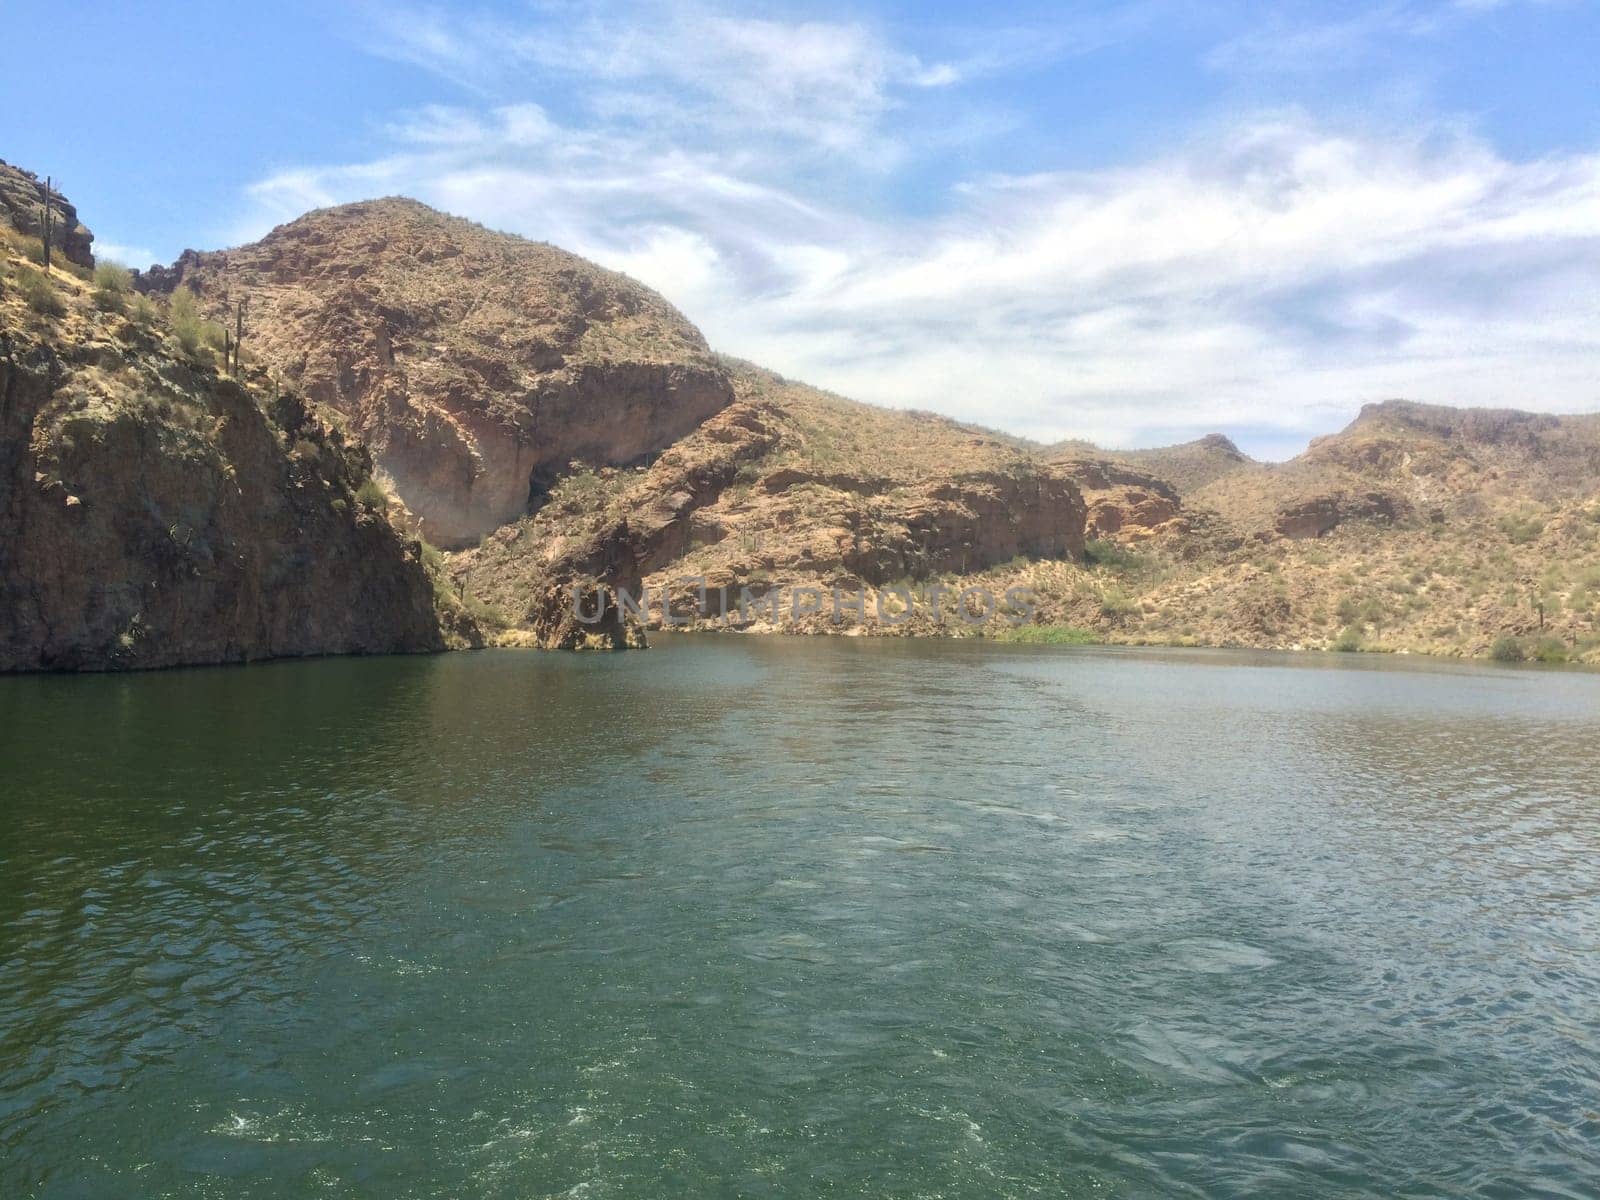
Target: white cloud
679	66
1286	42
1270	277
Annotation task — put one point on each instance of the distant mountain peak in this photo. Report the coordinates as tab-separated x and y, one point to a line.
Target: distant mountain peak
1220	443
477	365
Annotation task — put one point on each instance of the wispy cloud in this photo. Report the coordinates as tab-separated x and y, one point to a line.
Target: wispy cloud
1270	275
674	66
1290	41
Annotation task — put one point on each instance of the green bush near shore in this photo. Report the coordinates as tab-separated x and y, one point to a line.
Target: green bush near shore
1551	650
1047	635
1508	650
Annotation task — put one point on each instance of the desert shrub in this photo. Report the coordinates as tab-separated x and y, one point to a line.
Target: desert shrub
1116	603
1550	650
1508	649
1103	552
1522	528
1348	641
142	311
39	292
111	286
183	318
31	248
371	496
1373	611
486	615
1586	584
1047	635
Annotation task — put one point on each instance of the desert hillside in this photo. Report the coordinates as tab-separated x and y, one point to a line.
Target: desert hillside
1187	467
474	364
1417	529
788	487
155	510
550	424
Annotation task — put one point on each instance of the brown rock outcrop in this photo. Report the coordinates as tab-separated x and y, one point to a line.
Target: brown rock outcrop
22	207
475	364
1124	504
716	507
1317	517
154	513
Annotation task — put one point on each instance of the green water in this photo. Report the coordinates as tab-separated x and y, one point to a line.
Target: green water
743	917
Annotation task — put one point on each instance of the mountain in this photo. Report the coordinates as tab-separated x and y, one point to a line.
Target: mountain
789	487
475	365
155	511
22	208
554	426
1187	467
1416	528
1399	457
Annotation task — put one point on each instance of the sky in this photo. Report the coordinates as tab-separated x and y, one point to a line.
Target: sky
1137	221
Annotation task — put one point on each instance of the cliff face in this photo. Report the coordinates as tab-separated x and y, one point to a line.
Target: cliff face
22	207
155	513
765	497
476	365
1125	504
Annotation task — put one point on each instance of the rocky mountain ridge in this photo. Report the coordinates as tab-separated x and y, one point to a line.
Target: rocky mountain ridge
556	426
476	365
22	197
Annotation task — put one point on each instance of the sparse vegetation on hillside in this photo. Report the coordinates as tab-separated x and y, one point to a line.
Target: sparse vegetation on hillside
139	468
39	292
112	284
1413	530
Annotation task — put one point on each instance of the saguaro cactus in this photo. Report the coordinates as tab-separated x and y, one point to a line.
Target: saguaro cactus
45	228
238	330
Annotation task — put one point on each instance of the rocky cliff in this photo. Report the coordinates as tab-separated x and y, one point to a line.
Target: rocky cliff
1123	503
476	365
22	209
789	487
155	512
556	426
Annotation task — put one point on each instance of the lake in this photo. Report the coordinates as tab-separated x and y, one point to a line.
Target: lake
785	917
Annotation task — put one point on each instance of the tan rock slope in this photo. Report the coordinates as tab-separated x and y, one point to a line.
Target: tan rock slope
154	512
789	487
1418	528
1187	467
556	426
476	365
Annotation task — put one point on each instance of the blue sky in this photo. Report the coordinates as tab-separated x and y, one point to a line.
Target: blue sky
1137	220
